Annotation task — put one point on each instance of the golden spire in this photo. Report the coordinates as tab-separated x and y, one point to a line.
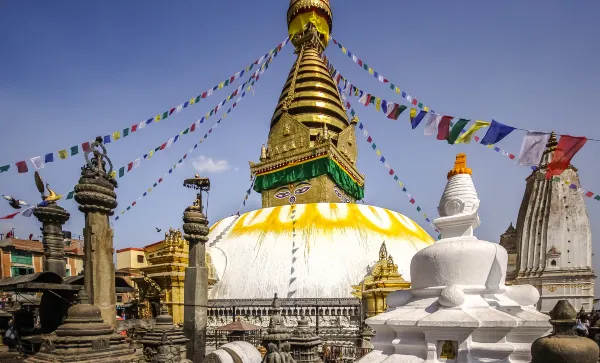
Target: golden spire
460	166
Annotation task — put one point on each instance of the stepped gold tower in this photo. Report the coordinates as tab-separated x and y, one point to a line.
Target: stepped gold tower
311	152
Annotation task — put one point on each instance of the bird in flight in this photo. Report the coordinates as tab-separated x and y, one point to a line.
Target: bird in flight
158	229
15	203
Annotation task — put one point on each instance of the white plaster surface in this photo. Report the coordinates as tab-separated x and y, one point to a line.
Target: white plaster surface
242	352
458	294
328	249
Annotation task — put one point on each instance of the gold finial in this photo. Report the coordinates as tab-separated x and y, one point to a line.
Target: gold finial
52	196
382	252
197	176
460	166
354	120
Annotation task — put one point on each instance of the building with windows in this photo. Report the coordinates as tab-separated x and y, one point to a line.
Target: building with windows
23	257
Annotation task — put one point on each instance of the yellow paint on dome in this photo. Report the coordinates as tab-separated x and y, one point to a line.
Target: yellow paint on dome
327	219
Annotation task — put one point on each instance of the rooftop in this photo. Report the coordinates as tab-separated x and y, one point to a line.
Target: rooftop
36	245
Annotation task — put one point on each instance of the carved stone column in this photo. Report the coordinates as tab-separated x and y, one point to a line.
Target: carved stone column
97	198
52	217
195	298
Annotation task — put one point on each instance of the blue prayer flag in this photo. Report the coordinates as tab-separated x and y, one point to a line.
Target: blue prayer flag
496	132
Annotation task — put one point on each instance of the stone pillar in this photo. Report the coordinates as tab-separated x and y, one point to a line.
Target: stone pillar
52	217
195	227
97	198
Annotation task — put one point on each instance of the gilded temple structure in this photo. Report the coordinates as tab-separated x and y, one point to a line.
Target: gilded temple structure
160	274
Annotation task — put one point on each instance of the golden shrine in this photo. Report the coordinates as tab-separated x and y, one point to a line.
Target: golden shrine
383	279
161	281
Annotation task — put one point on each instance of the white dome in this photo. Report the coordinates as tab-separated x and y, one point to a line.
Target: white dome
258	254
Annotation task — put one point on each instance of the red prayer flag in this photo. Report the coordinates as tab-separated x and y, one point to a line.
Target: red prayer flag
391	171
134	128
171	111
412	200
85	147
184	156
21	167
133	204
193	127
160	180
334	41
360	63
234	93
589	194
10	216
369	139
511	156
476	138
231	79
567	147
444	128
163	146
414	102
129	166
204	95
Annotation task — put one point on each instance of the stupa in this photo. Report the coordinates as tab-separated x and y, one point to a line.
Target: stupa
310	242
458	308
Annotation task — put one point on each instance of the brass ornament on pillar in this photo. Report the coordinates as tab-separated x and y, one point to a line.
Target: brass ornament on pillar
52	217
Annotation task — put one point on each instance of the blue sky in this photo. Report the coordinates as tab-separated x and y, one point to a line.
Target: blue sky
73	70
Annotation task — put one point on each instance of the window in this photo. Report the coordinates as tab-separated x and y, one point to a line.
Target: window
120	297
21	257
553	263
68	272
140	259
18	271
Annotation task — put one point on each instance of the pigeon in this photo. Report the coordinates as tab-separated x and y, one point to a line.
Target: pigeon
158	229
15	203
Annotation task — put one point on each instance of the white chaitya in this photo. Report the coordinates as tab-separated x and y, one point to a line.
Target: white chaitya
458	308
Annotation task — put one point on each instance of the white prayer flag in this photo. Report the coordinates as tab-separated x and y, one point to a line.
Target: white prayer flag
365	132
179	108
142	125
170	142
354	58
37	162
432	123
387	166
136	162
391	106
580	190
28	212
380	78
209	92
363	99
532	148
408	98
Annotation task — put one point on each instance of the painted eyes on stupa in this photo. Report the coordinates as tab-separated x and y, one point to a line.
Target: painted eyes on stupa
282	195
285	192
302	190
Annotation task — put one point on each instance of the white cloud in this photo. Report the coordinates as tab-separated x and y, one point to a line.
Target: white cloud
207	165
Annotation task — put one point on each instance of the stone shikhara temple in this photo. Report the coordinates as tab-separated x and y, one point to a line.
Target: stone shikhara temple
341	273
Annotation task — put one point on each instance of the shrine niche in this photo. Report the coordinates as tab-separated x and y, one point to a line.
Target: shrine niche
286	136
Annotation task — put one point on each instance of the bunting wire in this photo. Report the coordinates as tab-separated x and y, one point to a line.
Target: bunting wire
410	99
39	162
386	107
258	73
391	172
248	192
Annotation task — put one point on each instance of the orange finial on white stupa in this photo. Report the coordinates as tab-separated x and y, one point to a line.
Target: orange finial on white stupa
460	166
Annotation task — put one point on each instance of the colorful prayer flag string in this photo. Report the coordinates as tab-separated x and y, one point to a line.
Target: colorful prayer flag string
39	162
248	192
258	73
391	172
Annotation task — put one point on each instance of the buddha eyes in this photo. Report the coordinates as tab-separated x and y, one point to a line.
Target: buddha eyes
302	190
282	195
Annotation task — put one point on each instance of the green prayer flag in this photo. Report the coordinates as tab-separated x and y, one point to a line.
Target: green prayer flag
418	209
71	195
129	207
125	132
251	66
4	168
121	172
555	178
226	83
180	161
392	87
374	146
198	98
597	197
365	66
211	112
420	105
158	148
165	115
186	131
372	100
154	186
352	112
74	150
455	132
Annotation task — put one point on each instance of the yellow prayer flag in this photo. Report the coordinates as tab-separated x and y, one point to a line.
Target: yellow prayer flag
157	118
228	97
343	50
413	113
370	70
490	146
149	190
113	174
221	85
378	153
397	90
378	103
400	184
150	154
207	115
116	135
467	136
192	100
224	115
62	154
426	109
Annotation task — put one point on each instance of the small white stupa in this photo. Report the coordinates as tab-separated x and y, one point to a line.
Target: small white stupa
458	308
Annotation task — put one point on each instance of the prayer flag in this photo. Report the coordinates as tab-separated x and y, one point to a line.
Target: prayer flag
116	135
378	104
412	200
121	172
134	128
62	154
71	195
532	148
21	167
86	147
444	128
125	132
74	150
130	166
589	194
10	216
418	209
432	123
456	129
466	137
37	162
49	158
566	149
496	133
394	112
417	120
413	113
4	168
107	139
